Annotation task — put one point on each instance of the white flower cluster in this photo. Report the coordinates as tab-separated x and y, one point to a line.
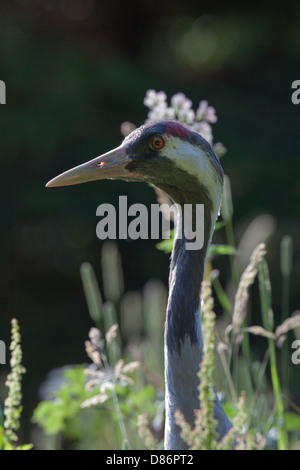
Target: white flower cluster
101	375
181	110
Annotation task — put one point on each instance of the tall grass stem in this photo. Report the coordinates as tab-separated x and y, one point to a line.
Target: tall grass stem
267	317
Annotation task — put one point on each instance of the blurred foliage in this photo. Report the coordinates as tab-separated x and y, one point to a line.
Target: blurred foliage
53	414
100	407
83	405
74	71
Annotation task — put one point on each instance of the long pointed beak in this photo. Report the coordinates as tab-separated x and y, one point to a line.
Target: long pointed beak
109	165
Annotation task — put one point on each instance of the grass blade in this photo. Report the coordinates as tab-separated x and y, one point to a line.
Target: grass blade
267	317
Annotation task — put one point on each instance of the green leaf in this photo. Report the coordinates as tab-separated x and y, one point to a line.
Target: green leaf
227	206
219	225
52	414
8	446
230	409
222	250
222	296
141	397
1	437
292	421
286	255
167	244
91	291
25	447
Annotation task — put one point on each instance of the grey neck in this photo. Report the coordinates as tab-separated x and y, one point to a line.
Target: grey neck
186	275
183	336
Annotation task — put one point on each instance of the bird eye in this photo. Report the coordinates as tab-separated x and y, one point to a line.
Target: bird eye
158	143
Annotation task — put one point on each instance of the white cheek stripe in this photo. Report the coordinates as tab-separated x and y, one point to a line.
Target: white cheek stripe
195	162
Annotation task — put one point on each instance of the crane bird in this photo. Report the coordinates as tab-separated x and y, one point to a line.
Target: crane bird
182	164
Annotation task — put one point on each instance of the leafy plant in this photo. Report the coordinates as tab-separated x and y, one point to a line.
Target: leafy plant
12	405
89	394
54	414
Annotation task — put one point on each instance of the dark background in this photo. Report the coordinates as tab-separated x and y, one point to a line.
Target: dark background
74	71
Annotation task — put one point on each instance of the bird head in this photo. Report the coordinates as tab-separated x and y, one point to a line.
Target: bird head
163	153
